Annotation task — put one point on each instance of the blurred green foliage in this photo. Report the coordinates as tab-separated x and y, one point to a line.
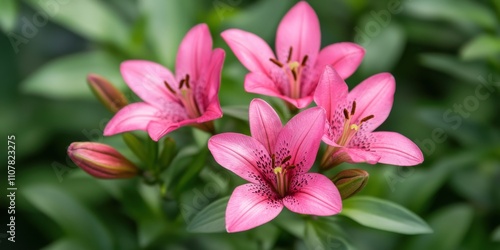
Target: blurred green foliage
445	56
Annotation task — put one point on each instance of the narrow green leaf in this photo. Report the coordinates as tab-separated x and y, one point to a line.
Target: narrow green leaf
167	23
450	225
239	112
211	219
64	244
383	48
453	66
324	234
384	215
453	11
91	19
8	14
495	236
86	226
484	46
66	77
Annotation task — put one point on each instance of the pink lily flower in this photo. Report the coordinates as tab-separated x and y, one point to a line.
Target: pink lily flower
188	98
352	117
275	161
293	73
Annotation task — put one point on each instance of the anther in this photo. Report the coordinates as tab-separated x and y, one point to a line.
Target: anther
353	109
289	55
276	62
168	87
367	118
181	83
272	160
187	81
304	60
286	159
346	114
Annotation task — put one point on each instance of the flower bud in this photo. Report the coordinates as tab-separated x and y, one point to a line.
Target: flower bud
350	181
111	97
101	160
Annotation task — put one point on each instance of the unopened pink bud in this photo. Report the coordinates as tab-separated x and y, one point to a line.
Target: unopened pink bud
111	97
101	160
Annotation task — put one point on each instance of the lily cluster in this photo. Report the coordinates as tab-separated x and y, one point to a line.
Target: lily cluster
275	158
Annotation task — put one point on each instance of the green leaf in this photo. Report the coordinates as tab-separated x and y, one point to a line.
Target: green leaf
211	219
325	234
239	112
495	236
91	19
384	215
484	46
167	23
64	244
383	48
8	14
450	225
66	77
453	11
453	66
62	208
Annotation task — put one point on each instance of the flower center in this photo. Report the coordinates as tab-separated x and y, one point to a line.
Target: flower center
293	71
282	176
186	96
351	127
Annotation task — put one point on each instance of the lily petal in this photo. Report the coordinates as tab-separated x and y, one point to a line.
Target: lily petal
331	91
134	116
313	194
250	206
173	116
147	80
357	155
194	52
374	96
299	29
265	124
300	139
261	84
212	76
345	57
242	154
251	50
394	148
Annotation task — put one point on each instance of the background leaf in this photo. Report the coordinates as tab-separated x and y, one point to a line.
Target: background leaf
384	215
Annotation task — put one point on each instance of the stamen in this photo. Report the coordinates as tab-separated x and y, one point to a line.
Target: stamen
289	55
304	60
353	109
346	114
276	62
181	83
187	81
294	74
168	87
286	159
366	118
272	160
